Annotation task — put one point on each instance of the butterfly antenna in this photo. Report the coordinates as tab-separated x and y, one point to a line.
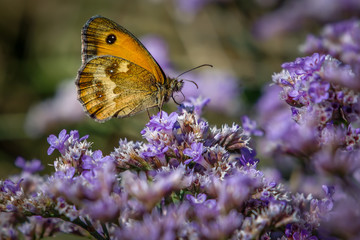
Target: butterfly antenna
192	82
204	65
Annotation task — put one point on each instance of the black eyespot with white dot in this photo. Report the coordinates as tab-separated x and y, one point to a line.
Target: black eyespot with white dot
110	39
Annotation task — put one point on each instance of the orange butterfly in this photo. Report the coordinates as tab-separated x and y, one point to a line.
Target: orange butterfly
118	76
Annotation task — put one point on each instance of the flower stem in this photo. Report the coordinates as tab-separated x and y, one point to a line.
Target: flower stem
89	227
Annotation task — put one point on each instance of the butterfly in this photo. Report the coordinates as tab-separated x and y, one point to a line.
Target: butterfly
118	76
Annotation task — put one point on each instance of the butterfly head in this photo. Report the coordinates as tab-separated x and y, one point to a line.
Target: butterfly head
173	85
176	85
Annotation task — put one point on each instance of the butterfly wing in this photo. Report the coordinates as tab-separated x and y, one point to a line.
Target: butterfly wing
110	86
102	36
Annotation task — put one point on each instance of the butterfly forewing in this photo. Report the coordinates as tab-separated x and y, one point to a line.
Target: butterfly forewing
101	36
110	86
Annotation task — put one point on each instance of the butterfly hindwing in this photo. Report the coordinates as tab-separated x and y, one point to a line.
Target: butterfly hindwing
110	86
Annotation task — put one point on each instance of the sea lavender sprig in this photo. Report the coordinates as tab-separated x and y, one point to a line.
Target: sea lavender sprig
325	114
319	124
186	180
315	99
341	40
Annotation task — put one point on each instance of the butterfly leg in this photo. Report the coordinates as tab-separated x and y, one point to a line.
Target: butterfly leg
160	112
147	110
160	106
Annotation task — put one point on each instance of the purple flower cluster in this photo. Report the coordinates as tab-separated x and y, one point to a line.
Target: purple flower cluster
187	180
190	180
307	86
325	112
313	129
342	41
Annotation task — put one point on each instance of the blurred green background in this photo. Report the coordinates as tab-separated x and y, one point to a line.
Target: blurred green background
40	49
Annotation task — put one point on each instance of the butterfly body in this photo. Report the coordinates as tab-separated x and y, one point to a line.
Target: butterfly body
118	76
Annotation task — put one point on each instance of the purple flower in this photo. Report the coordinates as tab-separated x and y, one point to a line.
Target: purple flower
87	189
337	162
250	127
74	134
152	151
313	63
64	140
195	152
67	174
106	209
235	190
293	231
319	91
150	193
94	161
57	142
304	67
314	94
344	220
352	137
341	41
161	122
29	166
89	164
218	226
165	224
329	190
178	133
98	157
338	73
247	157
337	39
200	199
195	105
312	44
9	185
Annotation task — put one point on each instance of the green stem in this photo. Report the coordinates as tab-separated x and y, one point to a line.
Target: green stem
105	230
88	227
